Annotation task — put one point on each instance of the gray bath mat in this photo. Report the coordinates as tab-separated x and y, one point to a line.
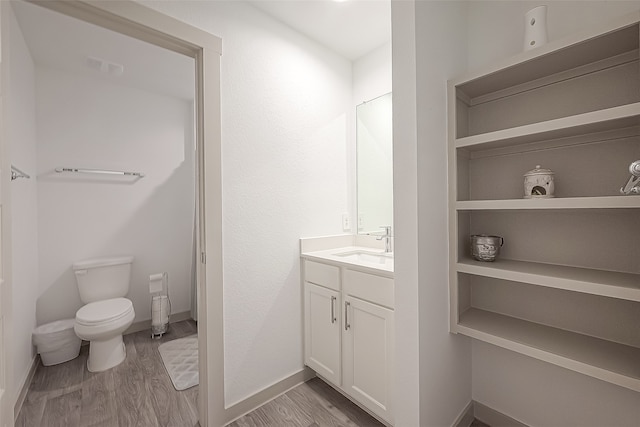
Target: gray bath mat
180	358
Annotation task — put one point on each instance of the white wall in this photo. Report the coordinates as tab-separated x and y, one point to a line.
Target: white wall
405	221
429	44
21	118
286	114
445	365
526	389
86	122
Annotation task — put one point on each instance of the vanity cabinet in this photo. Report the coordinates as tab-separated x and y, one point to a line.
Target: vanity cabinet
349	333
566	286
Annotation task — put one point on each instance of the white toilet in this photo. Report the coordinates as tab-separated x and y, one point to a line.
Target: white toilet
103	283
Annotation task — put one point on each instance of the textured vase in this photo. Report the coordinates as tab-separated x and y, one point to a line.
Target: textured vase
535	30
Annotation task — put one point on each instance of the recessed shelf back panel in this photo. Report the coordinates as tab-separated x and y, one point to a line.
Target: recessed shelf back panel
597	316
594	126
603	89
579	170
605	240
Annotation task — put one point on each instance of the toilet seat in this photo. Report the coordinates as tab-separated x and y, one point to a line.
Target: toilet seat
104	321
106	311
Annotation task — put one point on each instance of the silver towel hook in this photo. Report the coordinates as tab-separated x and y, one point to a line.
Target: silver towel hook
633	185
17	173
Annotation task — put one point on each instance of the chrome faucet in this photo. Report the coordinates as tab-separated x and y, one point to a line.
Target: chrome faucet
387	238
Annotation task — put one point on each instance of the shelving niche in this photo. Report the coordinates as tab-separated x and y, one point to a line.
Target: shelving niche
566	287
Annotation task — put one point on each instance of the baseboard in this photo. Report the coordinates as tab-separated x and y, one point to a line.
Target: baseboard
25	386
494	418
239	409
466	416
144	325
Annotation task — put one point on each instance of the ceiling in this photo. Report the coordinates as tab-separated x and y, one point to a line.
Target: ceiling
65	43
351	28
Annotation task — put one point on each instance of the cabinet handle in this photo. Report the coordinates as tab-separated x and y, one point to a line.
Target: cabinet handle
346	315
333	309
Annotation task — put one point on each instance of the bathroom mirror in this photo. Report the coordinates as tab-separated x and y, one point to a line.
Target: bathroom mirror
374	145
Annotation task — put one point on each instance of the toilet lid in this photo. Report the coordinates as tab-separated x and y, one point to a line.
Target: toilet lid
104	311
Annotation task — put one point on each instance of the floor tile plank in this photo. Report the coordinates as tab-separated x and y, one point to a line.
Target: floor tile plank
285	412
322	412
334	399
98	399
31	413
63	411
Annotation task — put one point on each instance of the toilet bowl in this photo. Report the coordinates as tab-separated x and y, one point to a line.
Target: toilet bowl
103	283
102	324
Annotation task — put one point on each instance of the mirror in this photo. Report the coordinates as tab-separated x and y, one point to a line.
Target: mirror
374	146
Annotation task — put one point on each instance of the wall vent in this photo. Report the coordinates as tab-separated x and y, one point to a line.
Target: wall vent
105	66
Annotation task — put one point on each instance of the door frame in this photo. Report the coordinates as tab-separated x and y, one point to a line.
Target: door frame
137	21
6	310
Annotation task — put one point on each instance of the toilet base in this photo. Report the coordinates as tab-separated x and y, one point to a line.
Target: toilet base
106	354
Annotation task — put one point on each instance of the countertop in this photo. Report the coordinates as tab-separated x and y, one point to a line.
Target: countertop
330	256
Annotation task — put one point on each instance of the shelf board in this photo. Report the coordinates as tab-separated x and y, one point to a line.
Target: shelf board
606	360
557	56
602	202
586	280
624	116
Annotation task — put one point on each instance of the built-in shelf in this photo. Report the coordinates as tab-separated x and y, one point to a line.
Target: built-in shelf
624	116
609	361
604	202
573	106
597	282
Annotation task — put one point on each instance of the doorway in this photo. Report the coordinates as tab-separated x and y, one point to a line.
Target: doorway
204	49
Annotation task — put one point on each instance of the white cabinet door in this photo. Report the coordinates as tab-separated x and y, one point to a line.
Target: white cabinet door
368	339
322	331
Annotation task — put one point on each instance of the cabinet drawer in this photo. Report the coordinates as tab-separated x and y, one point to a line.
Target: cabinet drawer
375	289
322	274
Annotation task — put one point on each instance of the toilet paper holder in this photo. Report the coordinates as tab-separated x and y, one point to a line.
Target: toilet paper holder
160	304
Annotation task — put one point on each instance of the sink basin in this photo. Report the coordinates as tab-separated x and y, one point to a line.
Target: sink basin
368	257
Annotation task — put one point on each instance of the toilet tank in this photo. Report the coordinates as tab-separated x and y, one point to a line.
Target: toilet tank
103	278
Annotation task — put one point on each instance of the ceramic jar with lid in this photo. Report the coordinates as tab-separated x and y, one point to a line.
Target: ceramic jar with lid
538	183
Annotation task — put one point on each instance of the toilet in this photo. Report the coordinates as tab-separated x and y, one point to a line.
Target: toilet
103	283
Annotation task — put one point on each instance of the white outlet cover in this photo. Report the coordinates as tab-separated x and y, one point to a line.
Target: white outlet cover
346	222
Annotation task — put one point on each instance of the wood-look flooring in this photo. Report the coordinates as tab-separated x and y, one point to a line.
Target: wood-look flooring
138	392
311	404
